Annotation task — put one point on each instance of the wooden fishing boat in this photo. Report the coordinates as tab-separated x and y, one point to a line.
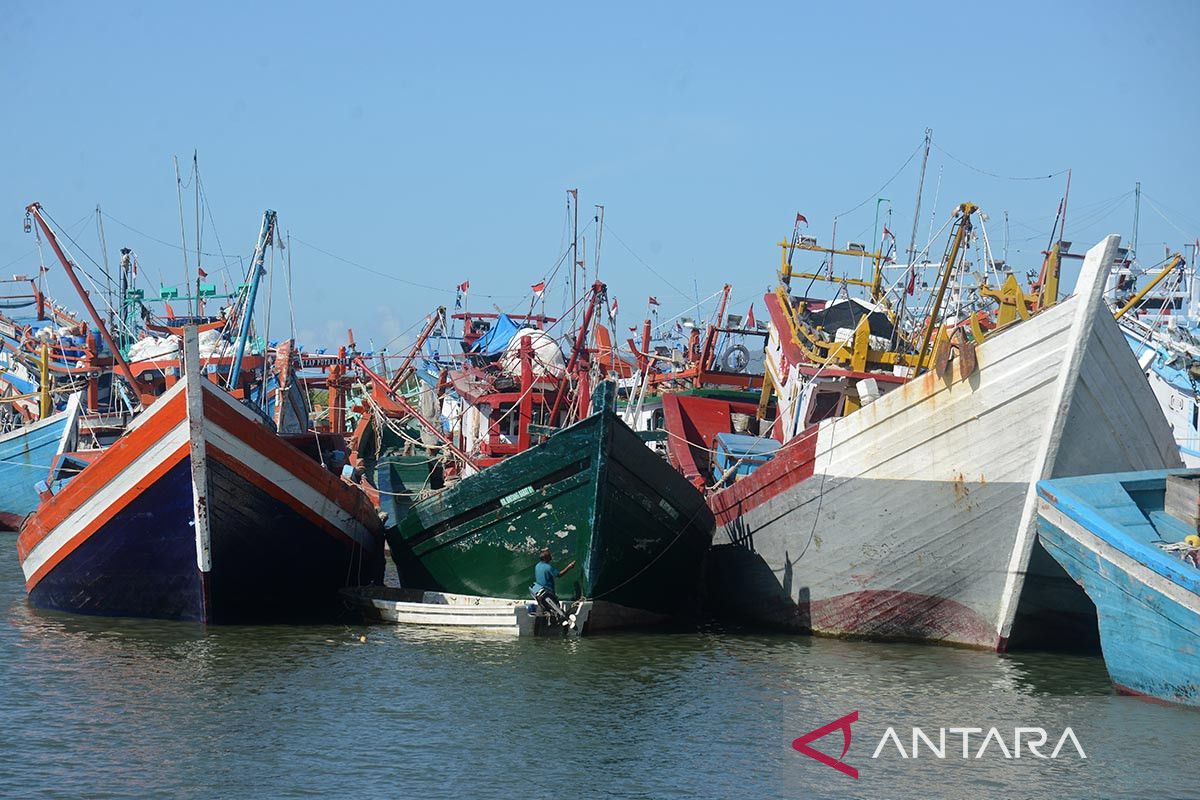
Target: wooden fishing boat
592	493
901	504
200	511
533	459
1130	541
215	504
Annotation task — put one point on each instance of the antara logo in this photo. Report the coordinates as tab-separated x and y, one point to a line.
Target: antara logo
843	724
1033	739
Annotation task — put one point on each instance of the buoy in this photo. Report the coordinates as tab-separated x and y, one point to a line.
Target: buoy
1192	540
362	638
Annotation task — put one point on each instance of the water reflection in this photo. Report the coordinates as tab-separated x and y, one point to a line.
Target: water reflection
99	705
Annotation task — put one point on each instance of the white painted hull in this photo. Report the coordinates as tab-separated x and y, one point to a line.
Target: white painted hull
913	518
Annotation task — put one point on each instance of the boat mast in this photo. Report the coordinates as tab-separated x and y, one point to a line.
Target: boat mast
710	335
45	408
1137	209
35	210
108	282
574	253
438	317
127	309
196	181
256	269
957	245
1137	298
577	350
599	220
1062	231
912	242
187	279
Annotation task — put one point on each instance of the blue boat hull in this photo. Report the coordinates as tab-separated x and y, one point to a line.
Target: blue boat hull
26	456
1147	603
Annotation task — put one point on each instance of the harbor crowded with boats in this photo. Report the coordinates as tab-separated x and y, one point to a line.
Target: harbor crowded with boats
839	477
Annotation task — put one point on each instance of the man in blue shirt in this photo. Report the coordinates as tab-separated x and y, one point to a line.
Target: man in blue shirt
542	589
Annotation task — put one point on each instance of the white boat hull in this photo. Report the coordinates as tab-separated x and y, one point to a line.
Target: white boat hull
913	517
493	615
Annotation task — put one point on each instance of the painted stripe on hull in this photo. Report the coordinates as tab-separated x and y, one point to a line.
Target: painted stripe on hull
269	562
282	484
133	449
283	535
99	508
141	563
298	474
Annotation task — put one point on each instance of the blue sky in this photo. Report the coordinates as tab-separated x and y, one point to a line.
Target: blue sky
434	143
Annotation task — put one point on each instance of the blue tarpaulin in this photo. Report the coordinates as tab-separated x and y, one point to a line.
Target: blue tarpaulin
495	340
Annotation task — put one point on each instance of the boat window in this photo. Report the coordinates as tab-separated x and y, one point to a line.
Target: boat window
657	420
509	420
825	404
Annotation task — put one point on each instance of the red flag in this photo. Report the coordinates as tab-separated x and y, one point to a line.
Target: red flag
539	287
464	286
912	281
750	317
801	218
170	311
614	307
654	301
201	273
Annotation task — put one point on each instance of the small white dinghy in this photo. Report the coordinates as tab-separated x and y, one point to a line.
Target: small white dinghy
466	612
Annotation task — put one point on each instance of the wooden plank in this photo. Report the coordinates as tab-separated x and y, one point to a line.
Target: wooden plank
195	416
1183	499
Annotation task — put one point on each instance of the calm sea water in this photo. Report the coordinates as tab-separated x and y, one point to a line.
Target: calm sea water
93	707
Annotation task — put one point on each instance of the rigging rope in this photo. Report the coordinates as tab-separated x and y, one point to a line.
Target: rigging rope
886	184
955	158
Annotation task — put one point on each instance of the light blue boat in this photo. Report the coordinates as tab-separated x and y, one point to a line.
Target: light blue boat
1112	534
26	455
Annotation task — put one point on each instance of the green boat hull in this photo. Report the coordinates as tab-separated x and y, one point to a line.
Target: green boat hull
592	493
